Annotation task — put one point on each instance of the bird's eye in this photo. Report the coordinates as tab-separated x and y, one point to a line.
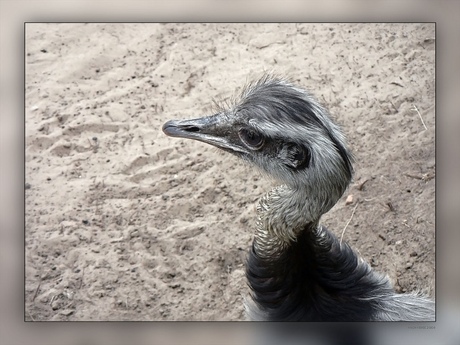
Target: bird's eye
251	138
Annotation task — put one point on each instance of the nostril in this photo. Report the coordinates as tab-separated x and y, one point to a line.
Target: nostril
191	128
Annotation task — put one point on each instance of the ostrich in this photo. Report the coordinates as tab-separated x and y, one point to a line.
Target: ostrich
297	269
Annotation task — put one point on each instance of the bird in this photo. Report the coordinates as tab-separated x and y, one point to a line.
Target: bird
297	269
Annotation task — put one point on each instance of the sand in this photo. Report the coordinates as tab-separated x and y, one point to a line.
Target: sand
124	223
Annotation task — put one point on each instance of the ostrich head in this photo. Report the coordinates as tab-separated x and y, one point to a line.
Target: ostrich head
285	133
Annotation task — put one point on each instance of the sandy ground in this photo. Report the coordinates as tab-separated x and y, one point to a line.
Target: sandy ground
124	223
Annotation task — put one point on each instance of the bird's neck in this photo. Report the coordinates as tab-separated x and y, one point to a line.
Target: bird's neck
282	214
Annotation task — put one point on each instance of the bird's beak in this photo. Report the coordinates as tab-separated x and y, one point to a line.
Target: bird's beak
190	129
206	129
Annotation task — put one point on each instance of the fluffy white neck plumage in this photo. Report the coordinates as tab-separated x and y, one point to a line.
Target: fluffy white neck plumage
282	214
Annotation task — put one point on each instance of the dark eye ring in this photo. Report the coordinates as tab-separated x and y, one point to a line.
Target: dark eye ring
251	138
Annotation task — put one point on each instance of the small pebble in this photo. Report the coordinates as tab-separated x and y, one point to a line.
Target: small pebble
349	200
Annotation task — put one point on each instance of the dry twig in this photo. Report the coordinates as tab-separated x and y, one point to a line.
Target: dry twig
349	220
361	186
425	177
414	107
36	291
